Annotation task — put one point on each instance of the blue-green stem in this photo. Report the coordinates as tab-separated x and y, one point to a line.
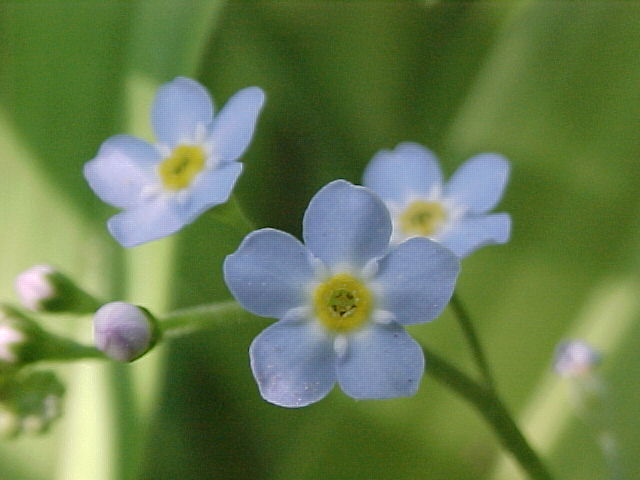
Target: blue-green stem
202	317
464	319
480	396
492	410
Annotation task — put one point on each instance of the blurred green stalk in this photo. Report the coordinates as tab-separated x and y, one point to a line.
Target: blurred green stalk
493	410
464	319
482	397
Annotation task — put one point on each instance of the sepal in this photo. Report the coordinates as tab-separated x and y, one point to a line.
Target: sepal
42	288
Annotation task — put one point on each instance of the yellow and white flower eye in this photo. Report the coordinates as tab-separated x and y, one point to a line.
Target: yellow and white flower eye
455	213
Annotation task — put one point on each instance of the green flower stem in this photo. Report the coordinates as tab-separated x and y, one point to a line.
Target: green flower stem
57	348
126	423
189	320
231	215
472	338
484	398
492	409
88	304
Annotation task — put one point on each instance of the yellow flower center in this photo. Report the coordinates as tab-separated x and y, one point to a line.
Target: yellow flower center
342	303
178	170
422	218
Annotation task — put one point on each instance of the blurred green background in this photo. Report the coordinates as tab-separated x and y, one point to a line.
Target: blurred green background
553	86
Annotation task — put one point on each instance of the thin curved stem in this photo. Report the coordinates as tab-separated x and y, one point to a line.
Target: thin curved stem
482	397
473	340
492	410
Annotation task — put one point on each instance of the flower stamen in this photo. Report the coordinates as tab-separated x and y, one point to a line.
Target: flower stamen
179	169
422	218
342	303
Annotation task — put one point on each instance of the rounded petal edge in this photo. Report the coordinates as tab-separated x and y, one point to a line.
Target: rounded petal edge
346	224
479	183
381	362
408	170
144	223
293	363
472	233
121	169
416	279
212	188
232	129
181	110
269	272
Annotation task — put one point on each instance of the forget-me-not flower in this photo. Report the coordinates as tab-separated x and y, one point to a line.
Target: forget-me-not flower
192	167
409	181
342	299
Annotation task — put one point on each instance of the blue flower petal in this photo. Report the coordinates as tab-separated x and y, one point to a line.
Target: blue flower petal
382	361
179	108
293	363
345	224
209	189
471	233
409	168
145	222
479	183
233	127
123	167
269	272
417	279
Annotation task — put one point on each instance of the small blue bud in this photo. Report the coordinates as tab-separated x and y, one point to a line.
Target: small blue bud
575	358
124	332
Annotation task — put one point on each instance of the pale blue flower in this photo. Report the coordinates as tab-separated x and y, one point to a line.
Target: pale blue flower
409	181
342	299
192	167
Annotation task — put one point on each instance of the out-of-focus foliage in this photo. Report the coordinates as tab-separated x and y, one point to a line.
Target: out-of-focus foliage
555	87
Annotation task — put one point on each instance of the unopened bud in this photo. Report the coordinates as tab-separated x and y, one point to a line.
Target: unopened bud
124	332
42	288
575	359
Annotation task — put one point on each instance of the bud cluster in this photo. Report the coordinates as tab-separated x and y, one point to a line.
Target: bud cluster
30	400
